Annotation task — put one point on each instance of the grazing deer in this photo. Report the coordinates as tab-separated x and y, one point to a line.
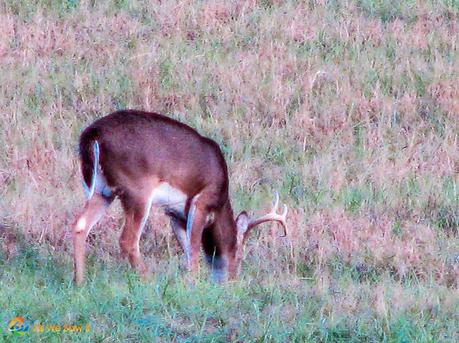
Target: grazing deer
147	159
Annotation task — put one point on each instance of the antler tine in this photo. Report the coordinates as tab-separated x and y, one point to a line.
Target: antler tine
272	216
281	218
276	204
284	219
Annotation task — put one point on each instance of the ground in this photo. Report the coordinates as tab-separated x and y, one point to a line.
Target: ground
350	109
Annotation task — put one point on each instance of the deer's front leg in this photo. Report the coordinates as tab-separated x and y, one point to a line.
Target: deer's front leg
197	219
179	229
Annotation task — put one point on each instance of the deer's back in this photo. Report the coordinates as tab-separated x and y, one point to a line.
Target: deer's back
137	145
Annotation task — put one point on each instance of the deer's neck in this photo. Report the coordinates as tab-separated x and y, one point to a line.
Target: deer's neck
226	227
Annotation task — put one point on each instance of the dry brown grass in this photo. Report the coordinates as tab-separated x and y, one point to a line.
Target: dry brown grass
354	117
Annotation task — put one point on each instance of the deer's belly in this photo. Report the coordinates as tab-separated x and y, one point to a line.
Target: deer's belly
169	197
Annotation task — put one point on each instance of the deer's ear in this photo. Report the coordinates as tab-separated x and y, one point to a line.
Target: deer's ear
242	222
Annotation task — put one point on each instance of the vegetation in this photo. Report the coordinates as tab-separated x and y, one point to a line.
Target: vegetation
349	108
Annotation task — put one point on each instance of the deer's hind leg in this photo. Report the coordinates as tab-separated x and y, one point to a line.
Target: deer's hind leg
136	211
92	212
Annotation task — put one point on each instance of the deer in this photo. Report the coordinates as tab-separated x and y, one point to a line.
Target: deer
150	160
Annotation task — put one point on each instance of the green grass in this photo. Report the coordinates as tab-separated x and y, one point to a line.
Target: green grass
121	307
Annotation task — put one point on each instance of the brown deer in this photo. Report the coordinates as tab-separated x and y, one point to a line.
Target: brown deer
147	159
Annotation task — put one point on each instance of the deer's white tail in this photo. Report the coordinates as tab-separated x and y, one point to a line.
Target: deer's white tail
90	190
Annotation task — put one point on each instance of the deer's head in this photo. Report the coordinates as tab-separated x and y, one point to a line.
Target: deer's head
227	263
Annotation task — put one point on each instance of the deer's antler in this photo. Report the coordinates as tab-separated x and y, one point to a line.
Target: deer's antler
272	216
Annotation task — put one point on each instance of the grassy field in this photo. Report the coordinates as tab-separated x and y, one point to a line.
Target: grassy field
350	109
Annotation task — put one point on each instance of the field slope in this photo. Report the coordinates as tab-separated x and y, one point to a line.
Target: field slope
350	109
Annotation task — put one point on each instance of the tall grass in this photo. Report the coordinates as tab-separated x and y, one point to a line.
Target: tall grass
349	108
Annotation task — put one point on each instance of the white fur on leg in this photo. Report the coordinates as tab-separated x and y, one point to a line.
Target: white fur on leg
81	224
88	220
189	227
145	217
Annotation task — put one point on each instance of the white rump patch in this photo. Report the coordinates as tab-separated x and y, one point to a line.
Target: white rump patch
99	186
